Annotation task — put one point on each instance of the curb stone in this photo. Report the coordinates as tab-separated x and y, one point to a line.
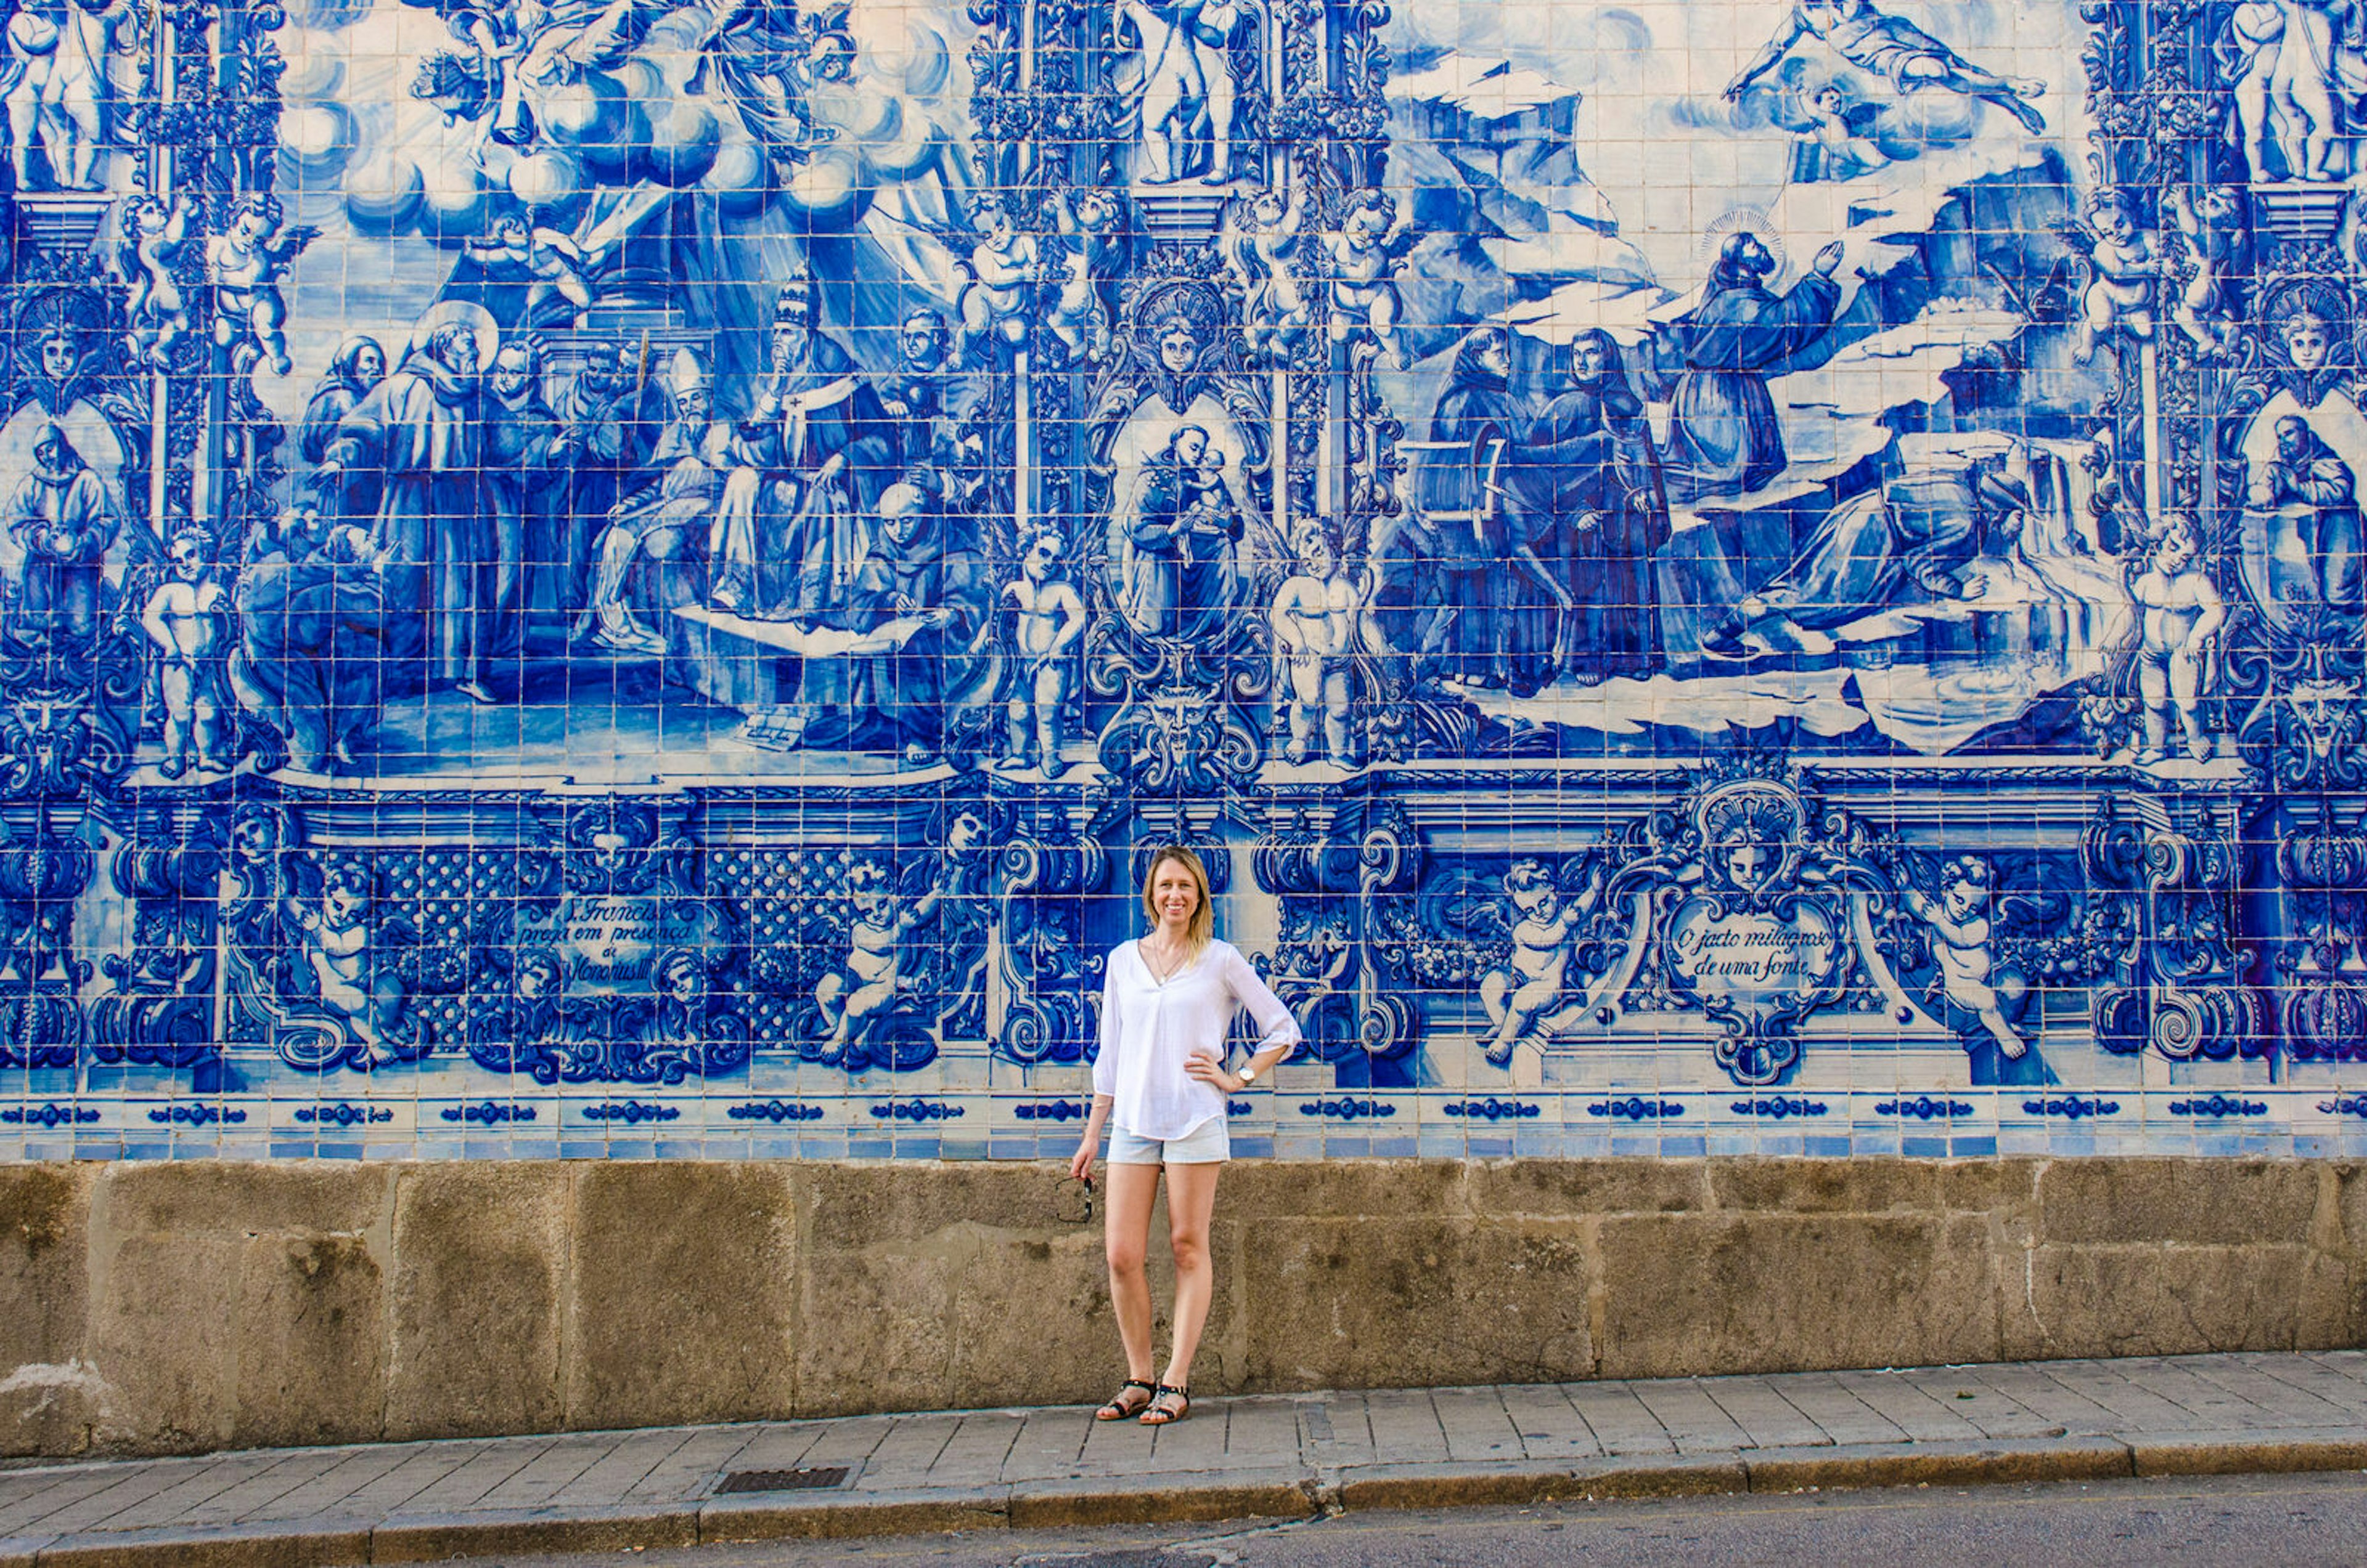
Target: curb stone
1288	1493
172	1548
1269	1494
2241	1453
1945	1463
430	1537
917	1512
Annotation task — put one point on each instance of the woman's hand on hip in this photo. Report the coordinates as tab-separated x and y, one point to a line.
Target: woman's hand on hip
1207	1070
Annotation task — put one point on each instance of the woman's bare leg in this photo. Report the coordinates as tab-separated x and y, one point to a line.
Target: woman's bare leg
1133	1189
1191	1198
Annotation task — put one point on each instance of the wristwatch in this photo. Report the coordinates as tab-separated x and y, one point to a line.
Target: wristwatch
1249	1075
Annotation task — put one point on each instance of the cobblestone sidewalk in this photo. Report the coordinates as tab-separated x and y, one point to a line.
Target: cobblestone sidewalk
1279	1455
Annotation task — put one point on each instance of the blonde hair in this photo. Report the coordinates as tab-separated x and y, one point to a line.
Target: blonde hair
1201	929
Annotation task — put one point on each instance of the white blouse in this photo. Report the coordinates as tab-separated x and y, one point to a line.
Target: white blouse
1150	1028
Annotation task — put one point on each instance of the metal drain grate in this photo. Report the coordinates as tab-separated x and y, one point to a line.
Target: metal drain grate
784	1480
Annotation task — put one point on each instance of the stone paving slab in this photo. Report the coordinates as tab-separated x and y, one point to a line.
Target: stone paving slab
1276	1455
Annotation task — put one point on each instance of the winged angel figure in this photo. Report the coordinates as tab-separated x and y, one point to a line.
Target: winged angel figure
764	55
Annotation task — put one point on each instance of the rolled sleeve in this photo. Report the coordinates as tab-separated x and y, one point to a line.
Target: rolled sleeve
1275	1025
1105	1054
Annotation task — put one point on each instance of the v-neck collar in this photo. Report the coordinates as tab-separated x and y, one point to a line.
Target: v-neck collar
1157	980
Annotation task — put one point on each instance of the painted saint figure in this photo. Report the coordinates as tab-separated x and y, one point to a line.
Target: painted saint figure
927	398
1724	437
311	623
788	536
521	433
62	517
1912	541
360	365
650	550
421	432
2308	477
1183	522
1469	596
913	574
1894	49
608	428
1593	442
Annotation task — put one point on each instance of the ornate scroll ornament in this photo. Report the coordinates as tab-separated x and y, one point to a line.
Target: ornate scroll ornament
2182	993
2321	968
1748	915
158	1008
1044	869
1344	885
623	971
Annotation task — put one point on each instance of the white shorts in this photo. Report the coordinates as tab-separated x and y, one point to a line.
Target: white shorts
1207	1143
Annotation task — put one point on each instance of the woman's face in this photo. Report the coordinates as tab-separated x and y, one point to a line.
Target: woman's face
1174	893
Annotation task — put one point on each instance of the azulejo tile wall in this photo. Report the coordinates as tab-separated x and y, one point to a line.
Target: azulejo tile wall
642	579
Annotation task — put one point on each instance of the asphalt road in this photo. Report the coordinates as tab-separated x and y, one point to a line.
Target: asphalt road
2225	1521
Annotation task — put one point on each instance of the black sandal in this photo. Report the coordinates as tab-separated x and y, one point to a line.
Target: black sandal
1121	1408
1160	1412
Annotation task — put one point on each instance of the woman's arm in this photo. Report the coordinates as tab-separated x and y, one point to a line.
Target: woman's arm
1278	1031
1081	1164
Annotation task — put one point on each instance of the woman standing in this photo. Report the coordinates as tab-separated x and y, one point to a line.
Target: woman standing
1160	1083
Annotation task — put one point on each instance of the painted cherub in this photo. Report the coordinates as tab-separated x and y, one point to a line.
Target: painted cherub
1006	266
1366	252
2124	267
187	622
246	262
2211	227
1089	223
155	231
868	980
514	248
1318	615
1536	977
1047	617
2182	614
1959	921
1259	244
1846	153
336	949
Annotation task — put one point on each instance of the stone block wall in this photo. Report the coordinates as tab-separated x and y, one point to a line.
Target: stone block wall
173	1308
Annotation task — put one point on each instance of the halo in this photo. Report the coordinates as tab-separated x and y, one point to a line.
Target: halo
463	312
1736	220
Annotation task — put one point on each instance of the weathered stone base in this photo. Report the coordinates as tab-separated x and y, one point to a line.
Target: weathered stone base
163	1308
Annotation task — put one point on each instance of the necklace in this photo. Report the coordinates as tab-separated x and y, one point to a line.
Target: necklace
1159	976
